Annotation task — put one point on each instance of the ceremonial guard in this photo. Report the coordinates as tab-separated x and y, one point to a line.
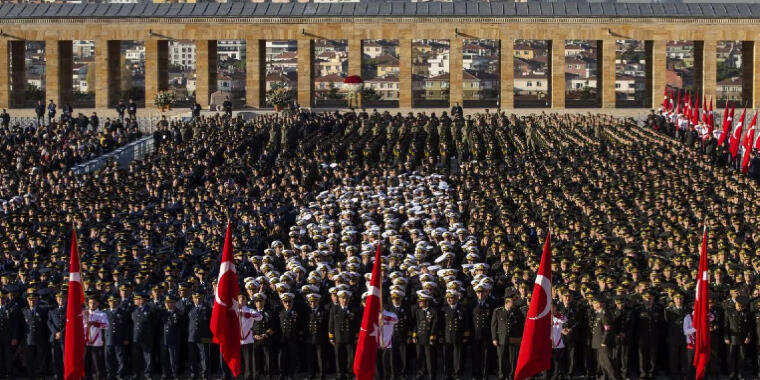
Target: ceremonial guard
246	316
95	326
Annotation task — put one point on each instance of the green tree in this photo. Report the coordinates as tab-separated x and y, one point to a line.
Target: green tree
725	72
369	94
333	93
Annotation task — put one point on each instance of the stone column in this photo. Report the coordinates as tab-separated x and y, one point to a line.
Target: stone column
699	69
355	62
405	73
507	74
255	67
58	71
557	72
709	69
205	71
17	78
748	74
5	74
455	71
107	73
305	61
156	69
656	71
606	72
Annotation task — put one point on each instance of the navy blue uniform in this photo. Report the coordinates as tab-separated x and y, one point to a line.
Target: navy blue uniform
117	336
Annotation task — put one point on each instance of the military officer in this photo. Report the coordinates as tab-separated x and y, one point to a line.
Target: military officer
674	316
623	328
456	334
263	331
142	337
737	327
602	338
291	334
198	333
316	337
395	357
343	327
506	331
647	326
57	325
481	332
116	339
171	337
36	336
426	332
11	327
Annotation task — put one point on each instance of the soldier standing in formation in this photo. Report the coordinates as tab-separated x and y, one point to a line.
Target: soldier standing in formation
506	331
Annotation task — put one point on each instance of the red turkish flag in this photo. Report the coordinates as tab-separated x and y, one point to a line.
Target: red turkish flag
73	345
536	346
369	334
736	136
225	324
728	122
666	101
749	139
701	319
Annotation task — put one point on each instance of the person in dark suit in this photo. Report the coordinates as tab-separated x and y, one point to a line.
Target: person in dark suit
506	330
342	331
142	337
425	335
198	322
36	337
171	338
56	325
316	337
39	110
11	327
132	109
395	357
117	338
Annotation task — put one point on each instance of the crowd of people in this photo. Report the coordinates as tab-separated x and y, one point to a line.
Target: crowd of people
460	206
33	153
